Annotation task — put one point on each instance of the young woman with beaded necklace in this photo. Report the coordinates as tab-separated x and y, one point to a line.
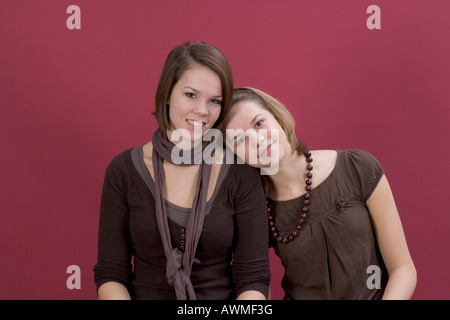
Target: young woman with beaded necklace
333	219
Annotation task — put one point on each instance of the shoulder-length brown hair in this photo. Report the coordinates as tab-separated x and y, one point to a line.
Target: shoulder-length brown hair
177	62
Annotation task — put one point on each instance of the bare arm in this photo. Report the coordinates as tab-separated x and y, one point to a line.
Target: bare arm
113	291
392	243
251	295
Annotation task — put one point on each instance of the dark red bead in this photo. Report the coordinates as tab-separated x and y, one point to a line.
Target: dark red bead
306	202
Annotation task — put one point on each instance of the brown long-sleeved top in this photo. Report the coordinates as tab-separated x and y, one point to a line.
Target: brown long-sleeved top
231	256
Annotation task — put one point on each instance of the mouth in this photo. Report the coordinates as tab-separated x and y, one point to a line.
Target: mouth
266	151
196	124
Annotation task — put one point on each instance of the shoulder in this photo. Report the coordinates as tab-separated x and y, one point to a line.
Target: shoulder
120	163
365	168
243	184
120	158
118	171
241	177
360	158
327	158
242	171
324	162
324	158
358	153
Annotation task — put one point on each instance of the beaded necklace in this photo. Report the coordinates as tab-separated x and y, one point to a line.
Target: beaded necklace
304	213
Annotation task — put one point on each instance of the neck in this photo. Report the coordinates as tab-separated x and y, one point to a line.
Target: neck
291	168
183	142
177	148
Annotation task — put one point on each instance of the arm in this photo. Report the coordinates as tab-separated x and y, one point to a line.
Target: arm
392	243
251	273
113	291
112	273
251	295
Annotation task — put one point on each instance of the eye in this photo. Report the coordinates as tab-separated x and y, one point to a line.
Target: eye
190	95
259	123
216	101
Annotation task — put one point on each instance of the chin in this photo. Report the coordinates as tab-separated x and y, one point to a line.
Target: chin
256	165
260	165
193	135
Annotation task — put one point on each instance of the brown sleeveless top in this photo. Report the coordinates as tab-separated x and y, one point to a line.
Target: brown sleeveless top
330	257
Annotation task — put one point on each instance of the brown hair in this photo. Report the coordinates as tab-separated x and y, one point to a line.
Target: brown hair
177	62
280	113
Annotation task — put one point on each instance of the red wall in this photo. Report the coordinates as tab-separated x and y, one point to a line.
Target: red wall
72	99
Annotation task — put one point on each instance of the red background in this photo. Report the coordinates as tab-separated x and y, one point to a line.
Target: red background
72	99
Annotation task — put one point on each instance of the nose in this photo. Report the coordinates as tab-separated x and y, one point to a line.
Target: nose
262	138
201	108
254	138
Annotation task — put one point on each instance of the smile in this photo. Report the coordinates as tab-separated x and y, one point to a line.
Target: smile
196	123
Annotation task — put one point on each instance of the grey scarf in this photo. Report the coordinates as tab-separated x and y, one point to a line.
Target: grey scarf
179	264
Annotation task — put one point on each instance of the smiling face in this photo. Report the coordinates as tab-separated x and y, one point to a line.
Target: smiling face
195	102
254	134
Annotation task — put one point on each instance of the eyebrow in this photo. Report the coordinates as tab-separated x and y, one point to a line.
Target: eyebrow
254	118
197	91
